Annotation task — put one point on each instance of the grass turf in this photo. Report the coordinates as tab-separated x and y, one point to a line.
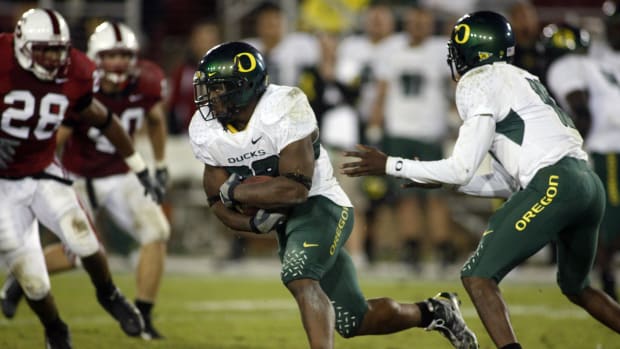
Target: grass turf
197	311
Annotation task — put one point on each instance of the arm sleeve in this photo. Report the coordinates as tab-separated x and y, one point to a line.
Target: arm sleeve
496	184
474	140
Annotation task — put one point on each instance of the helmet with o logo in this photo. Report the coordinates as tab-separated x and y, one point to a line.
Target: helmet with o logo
240	68
480	38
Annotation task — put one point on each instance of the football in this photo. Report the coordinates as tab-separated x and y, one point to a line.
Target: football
249	210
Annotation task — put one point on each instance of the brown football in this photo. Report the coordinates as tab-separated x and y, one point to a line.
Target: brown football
250	210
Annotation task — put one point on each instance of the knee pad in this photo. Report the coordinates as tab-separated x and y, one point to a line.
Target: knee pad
78	235
153	226
29	270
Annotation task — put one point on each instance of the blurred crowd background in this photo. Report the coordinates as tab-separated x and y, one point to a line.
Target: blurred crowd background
345	54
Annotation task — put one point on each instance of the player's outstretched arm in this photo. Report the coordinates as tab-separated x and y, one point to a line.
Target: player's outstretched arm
99	116
371	162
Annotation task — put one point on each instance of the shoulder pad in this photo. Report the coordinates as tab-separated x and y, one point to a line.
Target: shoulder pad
151	79
80	67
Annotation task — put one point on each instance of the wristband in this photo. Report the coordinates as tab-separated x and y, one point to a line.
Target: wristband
135	162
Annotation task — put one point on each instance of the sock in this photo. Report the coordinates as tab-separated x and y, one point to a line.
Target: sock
144	307
105	289
55	324
512	346
427	315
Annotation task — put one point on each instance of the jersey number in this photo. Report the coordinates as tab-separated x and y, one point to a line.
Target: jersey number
541	91
411	84
131	119
51	111
263	167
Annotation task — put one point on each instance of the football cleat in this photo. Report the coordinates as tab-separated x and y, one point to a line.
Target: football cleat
447	319
59	338
10	295
150	333
124	312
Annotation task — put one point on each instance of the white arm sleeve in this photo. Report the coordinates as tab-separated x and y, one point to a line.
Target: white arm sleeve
496	184
474	140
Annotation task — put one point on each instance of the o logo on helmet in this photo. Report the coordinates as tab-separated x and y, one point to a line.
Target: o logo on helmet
466	32
250	57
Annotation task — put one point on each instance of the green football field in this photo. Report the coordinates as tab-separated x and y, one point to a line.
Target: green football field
201	311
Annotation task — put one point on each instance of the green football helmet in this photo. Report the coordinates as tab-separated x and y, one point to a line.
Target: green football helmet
230	75
559	39
480	38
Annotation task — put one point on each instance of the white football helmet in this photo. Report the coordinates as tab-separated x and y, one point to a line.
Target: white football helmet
42	29
110	36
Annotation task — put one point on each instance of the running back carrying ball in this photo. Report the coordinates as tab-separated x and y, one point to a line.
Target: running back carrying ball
249	210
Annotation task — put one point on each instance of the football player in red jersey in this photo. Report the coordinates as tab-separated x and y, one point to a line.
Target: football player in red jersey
42	78
133	89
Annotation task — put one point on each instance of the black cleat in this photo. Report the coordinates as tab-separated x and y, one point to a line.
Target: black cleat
10	295
150	333
124	312
447	319
58	338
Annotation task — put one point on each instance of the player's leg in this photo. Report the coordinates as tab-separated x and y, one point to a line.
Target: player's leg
145	221
21	251
576	253
501	248
315	231
11	294
56	205
606	166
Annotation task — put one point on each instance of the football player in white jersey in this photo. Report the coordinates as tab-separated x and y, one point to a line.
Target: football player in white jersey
412	107
590	86
246	127
539	164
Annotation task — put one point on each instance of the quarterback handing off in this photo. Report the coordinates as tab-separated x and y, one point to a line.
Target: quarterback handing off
538	163
245	127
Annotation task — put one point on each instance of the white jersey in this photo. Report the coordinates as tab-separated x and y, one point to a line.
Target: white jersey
601	78
286	61
507	112
356	59
418	77
282	116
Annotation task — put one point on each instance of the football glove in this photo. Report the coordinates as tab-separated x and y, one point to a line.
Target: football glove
7	150
162	176
263	222
227	189
151	187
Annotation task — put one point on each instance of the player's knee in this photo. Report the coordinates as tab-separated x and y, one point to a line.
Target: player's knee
347	322
78	234
156	233
36	287
29	270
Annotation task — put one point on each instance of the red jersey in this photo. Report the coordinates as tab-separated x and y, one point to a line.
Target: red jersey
88	152
31	109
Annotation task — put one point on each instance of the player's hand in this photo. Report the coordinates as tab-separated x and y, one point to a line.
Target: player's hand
227	189
372	162
151	187
161	176
264	222
7	150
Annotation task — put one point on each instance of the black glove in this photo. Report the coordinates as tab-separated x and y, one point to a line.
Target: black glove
162	176
150	186
264	222
7	150
227	189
